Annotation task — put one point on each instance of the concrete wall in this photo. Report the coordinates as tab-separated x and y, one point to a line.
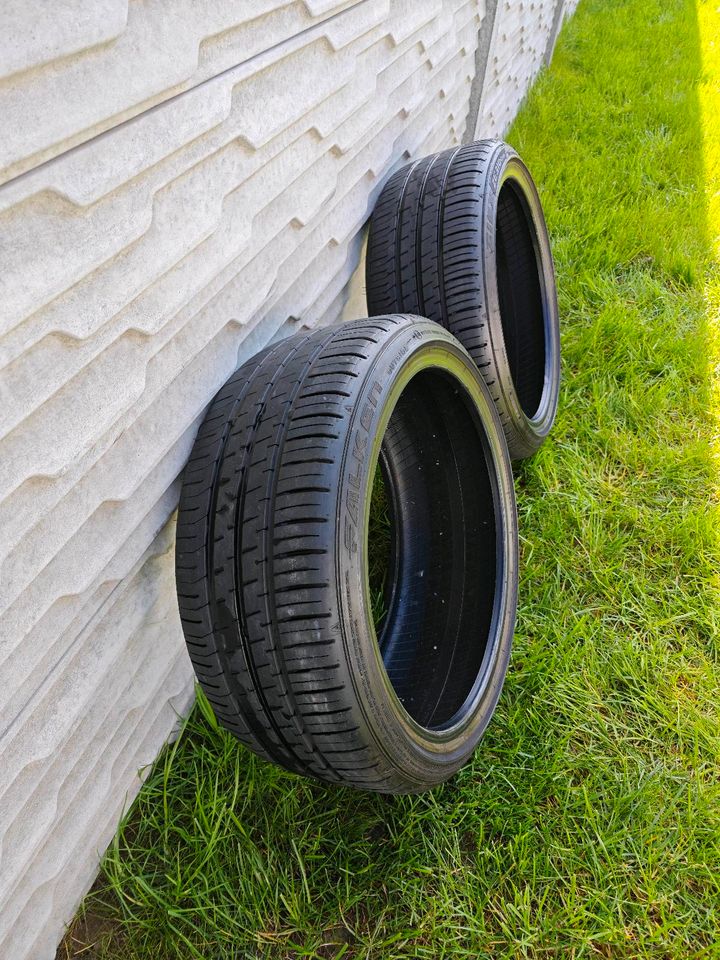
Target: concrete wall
179	183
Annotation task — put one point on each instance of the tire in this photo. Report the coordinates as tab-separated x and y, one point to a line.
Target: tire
271	555
460	237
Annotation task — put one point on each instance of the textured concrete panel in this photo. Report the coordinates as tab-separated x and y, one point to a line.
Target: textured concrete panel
70	761
108	60
183	183
139	266
570	7
482	54
521	35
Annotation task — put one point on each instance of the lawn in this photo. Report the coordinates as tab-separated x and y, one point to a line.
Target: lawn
588	824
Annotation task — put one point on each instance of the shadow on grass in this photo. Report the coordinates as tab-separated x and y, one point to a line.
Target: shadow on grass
588	823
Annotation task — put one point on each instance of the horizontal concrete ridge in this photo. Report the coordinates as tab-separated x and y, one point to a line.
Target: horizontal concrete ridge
182	183
107	61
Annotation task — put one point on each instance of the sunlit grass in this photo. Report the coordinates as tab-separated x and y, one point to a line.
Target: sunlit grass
709	98
588	824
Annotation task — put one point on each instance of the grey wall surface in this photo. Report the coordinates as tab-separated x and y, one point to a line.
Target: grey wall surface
179	183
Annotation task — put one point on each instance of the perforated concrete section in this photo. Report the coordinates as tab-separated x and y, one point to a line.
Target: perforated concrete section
181	183
517	51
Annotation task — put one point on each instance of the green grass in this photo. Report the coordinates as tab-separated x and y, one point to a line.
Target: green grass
588	824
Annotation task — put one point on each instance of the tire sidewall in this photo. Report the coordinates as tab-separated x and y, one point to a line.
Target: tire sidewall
526	433
420	756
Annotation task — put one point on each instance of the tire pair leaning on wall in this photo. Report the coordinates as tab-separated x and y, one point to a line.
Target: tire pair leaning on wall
460	363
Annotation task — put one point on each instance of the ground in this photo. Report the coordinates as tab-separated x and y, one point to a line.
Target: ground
588	824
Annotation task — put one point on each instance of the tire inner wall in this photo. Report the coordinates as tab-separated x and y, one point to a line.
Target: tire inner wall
442	594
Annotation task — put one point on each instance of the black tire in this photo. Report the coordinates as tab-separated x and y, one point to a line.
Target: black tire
271	555
460	237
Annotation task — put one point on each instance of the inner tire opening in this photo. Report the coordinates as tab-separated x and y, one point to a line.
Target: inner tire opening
381	532
439	580
520	293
